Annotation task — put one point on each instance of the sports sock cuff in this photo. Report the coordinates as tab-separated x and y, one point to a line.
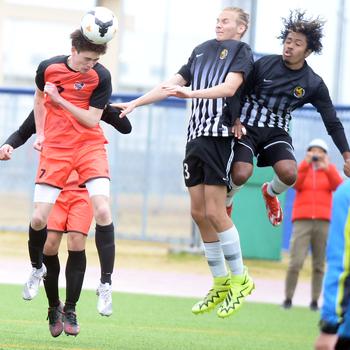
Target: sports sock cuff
37	238
276	186
229	236
104	235
105	228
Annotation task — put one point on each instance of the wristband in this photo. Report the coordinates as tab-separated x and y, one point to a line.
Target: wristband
328	328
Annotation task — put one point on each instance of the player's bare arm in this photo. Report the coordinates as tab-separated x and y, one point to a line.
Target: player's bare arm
326	341
87	117
6	152
39	116
228	88
158	93
346	168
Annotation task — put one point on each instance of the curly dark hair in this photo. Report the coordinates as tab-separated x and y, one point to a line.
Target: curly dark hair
82	44
310	27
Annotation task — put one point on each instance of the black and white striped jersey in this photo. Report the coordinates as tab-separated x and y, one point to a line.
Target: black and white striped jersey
208	66
273	91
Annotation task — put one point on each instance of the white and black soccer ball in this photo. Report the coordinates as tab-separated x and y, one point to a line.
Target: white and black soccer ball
99	25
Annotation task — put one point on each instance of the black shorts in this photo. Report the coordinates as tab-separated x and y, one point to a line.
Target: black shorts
208	161
268	145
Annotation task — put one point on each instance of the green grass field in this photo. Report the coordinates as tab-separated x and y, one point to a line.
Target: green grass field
154	323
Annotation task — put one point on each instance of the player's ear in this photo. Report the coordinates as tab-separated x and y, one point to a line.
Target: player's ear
308	52
241	29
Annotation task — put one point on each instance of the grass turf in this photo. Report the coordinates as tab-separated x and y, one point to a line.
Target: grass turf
154	323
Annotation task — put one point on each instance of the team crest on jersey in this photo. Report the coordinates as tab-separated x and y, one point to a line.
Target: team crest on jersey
78	85
223	54
299	92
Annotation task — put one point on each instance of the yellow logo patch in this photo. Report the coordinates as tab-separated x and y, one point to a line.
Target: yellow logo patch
299	92
223	54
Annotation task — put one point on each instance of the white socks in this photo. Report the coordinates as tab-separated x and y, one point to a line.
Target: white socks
231	248
231	193
215	258
276	186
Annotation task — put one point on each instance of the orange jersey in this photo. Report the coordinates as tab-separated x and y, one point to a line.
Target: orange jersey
82	90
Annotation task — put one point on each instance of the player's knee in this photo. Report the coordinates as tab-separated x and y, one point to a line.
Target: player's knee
38	221
296	266
197	215
103	215
212	217
51	247
240	176
289	176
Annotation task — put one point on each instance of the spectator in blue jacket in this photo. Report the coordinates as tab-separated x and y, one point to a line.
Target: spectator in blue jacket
335	312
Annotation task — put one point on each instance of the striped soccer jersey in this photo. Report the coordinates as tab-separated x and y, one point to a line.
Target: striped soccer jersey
273	91
208	66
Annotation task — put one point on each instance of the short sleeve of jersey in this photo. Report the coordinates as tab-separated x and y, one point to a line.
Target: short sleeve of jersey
243	61
40	72
185	70
101	95
40	75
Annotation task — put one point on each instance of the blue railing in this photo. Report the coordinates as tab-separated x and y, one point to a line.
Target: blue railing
172	102
169	102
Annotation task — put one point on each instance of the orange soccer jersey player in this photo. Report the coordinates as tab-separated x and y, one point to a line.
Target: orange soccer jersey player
71	93
72	213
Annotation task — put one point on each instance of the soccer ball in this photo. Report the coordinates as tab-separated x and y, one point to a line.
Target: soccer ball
99	25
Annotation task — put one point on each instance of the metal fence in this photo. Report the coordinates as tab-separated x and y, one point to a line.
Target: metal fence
149	199
307	124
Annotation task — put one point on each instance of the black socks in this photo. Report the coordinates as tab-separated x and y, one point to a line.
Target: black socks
36	243
104	239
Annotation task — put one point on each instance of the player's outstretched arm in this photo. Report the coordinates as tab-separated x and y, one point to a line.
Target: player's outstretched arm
111	115
228	88
158	93
18	138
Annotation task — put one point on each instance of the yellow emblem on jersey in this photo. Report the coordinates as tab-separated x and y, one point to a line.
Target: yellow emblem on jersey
223	54
299	92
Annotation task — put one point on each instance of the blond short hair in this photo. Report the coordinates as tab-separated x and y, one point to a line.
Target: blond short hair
243	17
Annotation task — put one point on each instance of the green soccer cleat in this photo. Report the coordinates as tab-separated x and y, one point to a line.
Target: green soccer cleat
215	295
241	286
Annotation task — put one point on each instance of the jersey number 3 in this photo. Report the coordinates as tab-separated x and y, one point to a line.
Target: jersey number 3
186	172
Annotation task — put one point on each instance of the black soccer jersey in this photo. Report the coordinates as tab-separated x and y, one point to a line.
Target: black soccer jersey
208	66
273	91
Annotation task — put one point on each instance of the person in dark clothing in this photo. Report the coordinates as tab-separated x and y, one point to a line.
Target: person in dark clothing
278	85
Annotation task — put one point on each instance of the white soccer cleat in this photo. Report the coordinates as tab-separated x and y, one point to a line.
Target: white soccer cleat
104	302
31	287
